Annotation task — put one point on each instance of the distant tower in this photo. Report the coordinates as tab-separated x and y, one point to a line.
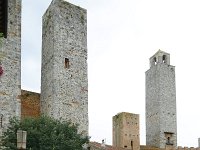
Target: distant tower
161	126
199	142
10	61
126	133
64	87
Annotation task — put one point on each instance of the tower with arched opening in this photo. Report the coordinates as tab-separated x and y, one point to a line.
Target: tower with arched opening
161	126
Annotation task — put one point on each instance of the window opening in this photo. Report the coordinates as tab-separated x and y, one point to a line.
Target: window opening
3	17
1	121
67	63
155	61
168	136
164	59
131	144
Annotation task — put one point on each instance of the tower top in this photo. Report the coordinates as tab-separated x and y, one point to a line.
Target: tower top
160	57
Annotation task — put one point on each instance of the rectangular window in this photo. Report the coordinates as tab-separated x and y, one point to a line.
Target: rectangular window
67	63
3	17
169	136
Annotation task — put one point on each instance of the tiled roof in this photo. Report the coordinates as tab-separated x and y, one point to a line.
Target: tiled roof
99	146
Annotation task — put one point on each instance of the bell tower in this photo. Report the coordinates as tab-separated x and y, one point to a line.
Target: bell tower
10	61
161	126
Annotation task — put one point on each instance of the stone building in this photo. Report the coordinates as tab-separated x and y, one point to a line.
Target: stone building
64	87
10	61
161	126
126	133
64	83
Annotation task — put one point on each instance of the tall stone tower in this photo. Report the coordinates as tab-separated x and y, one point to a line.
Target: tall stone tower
64	89
161	126
10	61
126	133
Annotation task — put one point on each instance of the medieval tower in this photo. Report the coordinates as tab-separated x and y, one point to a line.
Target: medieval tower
10	61
161	126
64	83
126	131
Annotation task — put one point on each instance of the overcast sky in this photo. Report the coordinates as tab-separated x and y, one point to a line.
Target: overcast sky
122	36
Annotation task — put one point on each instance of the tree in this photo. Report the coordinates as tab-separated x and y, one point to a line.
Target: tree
44	133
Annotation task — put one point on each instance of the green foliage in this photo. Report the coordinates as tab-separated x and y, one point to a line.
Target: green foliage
44	133
1	38
1	35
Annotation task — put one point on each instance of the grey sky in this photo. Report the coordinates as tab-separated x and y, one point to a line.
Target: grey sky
122	36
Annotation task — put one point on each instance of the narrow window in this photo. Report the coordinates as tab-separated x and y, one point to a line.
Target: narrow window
67	63
155	61
168	140
1	121
3	17
164	59
168	136
125	146
131	144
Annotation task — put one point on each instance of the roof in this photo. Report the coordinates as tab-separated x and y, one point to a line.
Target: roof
98	146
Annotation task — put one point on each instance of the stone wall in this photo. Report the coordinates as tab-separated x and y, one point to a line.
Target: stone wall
99	146
64	83
126	133
161	126
10	62
30	104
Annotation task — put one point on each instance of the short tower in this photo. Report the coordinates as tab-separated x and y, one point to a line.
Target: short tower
161	126
126	131
10	61
64	87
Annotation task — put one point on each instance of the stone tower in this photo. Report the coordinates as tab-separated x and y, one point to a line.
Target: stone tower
10	61
161	126
64	87
126	132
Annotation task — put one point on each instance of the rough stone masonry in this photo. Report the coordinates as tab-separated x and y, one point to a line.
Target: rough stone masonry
64	87
10	61
161	126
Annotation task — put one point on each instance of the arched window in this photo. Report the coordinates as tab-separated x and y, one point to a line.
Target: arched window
155	60
164	59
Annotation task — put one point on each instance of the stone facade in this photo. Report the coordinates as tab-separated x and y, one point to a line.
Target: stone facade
99	146
161	126
10	62
64	87
30	104
126	133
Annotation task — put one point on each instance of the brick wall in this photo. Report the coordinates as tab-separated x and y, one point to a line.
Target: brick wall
30	104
